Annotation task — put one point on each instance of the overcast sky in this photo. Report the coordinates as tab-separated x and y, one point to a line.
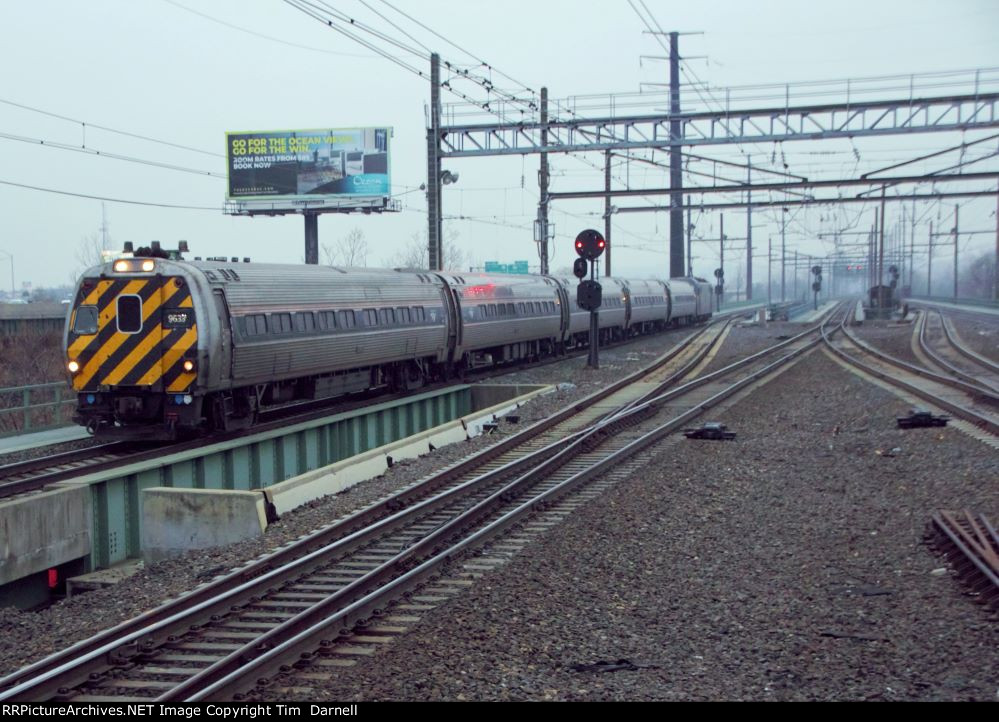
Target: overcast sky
156	69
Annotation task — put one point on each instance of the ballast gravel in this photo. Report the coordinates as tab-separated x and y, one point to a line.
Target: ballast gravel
788	564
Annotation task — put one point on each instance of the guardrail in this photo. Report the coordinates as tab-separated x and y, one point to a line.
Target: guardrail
35	408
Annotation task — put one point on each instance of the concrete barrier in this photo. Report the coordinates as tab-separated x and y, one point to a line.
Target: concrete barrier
179	520
42	531
298	490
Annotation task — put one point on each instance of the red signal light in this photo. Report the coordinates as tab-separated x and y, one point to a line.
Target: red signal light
590	244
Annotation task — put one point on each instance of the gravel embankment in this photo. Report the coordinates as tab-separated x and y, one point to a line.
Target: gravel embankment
12	457
891	337
32	635
788	564
979	333
746	339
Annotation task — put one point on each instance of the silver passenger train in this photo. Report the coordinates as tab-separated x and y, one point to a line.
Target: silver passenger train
157	346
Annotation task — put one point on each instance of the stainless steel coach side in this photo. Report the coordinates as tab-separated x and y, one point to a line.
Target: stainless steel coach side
648	305
505	317
290	322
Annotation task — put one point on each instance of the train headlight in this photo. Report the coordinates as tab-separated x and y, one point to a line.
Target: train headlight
188	399
148	265
189	365
122	266
73	367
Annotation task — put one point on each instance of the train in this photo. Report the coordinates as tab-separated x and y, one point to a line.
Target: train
159	347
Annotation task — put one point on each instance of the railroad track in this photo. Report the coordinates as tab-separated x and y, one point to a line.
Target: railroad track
971	544
964	400
939	342
335	585
34	474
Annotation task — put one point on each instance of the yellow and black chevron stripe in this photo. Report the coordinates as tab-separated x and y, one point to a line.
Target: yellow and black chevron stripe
150	358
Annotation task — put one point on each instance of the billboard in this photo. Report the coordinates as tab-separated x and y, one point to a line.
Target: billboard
303	164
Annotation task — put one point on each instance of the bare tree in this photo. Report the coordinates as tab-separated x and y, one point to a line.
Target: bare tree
90	251
92	248
350	250
978	277
413	255
454	257
416	253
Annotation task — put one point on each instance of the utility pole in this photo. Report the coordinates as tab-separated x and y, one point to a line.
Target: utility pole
929	264
955	250
783	250
872	257
912	244
770	261
881	255
434	182
721	243
690	232
676	264
607	211
749	232
104	227
543	182
795	275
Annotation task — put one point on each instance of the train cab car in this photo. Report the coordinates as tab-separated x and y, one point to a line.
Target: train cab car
504	317
135	344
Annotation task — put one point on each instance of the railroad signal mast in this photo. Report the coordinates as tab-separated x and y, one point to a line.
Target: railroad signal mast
590	245
816	284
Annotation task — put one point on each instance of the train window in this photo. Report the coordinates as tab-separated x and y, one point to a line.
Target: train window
305	322
520	309
328	319
370	317
281	322
85	323
402	313
346	319
129	314
386	316
509	309
256	325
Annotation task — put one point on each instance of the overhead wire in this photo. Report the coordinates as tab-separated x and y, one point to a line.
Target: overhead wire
115	156
264	36
215	209
105	128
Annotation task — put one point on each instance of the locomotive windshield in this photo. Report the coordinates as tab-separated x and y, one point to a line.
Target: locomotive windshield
85	323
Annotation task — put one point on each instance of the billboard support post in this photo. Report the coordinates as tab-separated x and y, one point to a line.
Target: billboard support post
311	237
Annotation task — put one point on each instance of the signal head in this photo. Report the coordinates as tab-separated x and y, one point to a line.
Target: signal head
590	244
